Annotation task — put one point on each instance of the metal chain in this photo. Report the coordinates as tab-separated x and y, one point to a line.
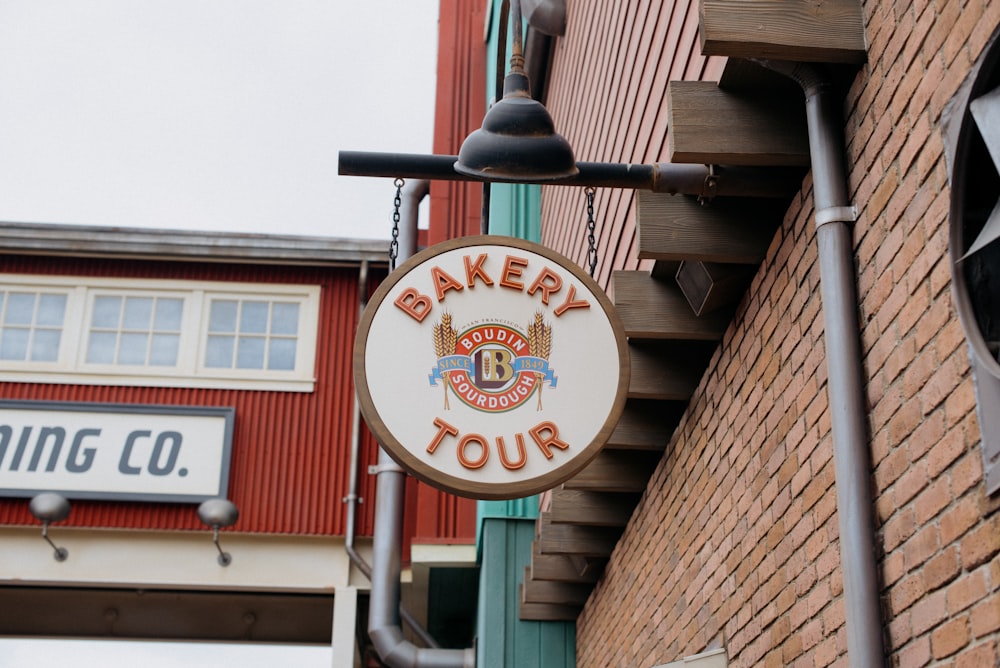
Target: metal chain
591	241
396	203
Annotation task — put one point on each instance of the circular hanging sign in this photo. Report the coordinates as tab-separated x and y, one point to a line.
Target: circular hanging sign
491	367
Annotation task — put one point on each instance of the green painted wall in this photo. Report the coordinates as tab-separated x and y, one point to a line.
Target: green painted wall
506	529
515	209
504	641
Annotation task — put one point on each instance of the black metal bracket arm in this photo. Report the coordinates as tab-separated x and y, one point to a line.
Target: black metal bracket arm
674	179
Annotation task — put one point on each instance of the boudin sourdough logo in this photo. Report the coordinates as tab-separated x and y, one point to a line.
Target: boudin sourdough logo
456	362
493	367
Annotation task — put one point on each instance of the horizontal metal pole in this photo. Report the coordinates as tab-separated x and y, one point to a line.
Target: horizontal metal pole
658	177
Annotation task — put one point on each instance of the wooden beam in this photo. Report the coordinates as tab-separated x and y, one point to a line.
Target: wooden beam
571	539
645	425
667	370
652	309
562	568
711	126
725	230
553	593
615	471
748	77
541	612
825	31
597	509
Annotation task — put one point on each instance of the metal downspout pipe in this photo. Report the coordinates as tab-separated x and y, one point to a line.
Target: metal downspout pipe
413	193
352	500
846	385
384	612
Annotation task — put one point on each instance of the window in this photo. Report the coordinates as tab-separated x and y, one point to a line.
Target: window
135	330
159	333
31	325
252	334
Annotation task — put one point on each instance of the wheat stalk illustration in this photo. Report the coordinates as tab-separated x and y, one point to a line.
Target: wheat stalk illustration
539	345
445	340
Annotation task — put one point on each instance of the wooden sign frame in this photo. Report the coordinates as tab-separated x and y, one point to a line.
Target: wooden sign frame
510	298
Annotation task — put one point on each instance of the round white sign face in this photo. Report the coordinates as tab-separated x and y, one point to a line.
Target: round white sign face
491	367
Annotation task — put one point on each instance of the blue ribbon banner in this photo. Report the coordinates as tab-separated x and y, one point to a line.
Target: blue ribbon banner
451	363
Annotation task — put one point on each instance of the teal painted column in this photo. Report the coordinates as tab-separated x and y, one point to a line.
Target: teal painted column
516	210
506	529
503	640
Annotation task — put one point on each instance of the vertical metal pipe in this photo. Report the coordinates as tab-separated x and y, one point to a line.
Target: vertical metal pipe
383	614
352	499
414	191
845	385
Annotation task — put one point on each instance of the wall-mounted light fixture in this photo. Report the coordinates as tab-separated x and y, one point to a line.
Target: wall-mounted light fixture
50	507
218	513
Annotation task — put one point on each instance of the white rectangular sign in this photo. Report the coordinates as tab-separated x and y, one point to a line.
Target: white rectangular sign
115	451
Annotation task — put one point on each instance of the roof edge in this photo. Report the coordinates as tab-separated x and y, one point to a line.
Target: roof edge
167	244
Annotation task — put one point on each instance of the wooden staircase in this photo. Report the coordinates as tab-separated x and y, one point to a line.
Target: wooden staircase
705	256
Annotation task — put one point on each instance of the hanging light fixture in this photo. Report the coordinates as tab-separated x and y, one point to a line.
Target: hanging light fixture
50	507
517	142
218	513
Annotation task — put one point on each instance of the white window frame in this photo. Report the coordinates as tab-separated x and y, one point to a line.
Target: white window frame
190	371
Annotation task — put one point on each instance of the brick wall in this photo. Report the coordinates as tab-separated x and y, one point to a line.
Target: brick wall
736	540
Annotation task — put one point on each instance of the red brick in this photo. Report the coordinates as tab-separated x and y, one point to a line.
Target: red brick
908	591
966	472
899	528
946	450
926	435
941	569
916	653
933	499
959	518
911	482
928	612
967	590
950	637
941	383
984	654
985	616
981	544
919	548
905	422
960	403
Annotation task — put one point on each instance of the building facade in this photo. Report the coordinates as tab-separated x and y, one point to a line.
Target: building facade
144	372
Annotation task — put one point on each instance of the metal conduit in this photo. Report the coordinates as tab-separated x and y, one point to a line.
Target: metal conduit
845	386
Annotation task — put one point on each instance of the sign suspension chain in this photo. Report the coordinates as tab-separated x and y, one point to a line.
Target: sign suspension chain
591	241
396	203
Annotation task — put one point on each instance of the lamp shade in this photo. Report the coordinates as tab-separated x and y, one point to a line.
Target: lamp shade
49	507
517	142
218	512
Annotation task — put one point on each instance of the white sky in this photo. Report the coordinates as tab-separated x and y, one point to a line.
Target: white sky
223	115
210	114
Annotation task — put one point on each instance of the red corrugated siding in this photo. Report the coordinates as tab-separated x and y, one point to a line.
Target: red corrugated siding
607	96
456	207
432	516
291	450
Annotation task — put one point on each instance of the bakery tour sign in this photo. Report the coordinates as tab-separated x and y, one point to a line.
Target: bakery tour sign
491	367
